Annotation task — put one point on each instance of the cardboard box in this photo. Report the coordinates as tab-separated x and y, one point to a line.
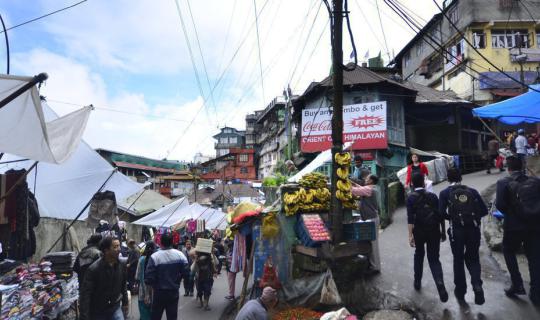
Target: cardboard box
204	245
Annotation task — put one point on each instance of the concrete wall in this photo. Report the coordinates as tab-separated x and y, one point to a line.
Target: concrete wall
50	229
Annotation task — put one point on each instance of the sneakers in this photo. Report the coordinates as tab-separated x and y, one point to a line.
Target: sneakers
513	291
443	294
417	285
479	298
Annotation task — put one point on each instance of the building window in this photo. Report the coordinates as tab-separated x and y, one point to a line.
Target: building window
227	131
453	14
233	140
479	39
243	170
538	38
176	184
509	39
223	140
222	152
406	60
419	48
243	158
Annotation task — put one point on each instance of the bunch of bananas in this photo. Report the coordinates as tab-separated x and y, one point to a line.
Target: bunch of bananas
313	180
309	200
343	190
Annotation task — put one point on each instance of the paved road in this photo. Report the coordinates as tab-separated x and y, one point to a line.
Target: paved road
187	306
395	251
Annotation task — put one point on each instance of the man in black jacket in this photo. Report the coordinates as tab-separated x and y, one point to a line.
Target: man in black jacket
426	232
104	293
464	208
517	233
86	257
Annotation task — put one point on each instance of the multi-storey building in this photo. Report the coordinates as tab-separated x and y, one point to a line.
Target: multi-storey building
252	130
506	32
272	136
227	139
237	166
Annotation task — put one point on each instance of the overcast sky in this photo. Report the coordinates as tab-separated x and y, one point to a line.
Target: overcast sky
130	59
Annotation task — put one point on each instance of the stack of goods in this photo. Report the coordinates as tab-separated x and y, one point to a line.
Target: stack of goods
312	196
298	313
62	262
33	292
312	231
343	192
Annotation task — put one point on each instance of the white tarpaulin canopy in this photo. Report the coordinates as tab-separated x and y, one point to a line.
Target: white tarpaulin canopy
25	132
180	211
62	190
168	215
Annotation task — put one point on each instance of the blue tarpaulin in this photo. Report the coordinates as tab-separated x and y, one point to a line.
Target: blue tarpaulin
524	108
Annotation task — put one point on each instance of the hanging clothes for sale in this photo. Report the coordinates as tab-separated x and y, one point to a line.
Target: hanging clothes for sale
102	207
239	253
201	225
191	226
21	210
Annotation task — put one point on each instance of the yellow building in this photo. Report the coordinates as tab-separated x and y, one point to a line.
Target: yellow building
505	32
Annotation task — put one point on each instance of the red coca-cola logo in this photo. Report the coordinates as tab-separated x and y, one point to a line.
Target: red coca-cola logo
310	126
366	122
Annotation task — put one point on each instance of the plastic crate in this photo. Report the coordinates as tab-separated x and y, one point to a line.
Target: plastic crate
303	234
361	231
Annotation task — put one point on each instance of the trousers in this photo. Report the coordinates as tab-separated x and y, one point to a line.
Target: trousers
231	277
117	314
512	242
427	241
165	300
465	244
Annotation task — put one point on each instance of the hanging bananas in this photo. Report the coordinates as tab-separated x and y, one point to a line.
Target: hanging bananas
313	195
343	185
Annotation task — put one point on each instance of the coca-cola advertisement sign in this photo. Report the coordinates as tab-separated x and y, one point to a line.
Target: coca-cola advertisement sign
364	124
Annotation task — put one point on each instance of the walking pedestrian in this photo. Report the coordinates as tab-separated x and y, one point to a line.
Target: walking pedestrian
86	257
426	232
164	273
464	208
188	278
133	258
104	294
205	268
231	276
259	308
369	210
415	166
145	292
493	153
521	148
516	194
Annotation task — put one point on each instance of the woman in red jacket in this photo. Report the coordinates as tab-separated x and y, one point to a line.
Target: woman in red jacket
415	166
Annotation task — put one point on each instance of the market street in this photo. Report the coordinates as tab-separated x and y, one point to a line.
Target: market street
398	282
187	306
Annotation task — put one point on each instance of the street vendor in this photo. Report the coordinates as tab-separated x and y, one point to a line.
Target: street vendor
258	309
369	210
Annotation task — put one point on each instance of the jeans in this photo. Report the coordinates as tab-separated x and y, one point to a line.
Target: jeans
116	315
430	240
523	158
165	300
188	282
465	244
512	241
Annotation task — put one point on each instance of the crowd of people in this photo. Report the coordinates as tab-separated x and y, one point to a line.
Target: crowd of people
463	208
154	276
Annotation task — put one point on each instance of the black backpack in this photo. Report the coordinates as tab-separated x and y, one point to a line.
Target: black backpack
526	197
462	206
425	215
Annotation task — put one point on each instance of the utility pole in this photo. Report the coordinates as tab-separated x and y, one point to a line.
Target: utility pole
287	94
336	209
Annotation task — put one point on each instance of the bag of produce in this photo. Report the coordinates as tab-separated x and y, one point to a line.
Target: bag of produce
329	292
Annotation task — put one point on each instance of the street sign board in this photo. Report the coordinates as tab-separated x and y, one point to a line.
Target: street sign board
364	124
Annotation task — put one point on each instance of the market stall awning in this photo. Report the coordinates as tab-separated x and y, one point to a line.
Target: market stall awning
62	190
171	214
25	132
524	108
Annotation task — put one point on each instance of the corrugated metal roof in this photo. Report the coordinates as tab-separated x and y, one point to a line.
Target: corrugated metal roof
141	167
429	95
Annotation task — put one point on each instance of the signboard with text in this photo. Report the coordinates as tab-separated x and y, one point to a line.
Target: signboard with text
364	124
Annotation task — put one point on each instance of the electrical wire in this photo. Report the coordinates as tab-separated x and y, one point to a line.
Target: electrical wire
382	28
202	59
259	48
351	36
7	43
45	15
480	53
370	27
311	54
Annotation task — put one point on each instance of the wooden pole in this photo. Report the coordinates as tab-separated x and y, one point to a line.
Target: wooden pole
337	116
246	279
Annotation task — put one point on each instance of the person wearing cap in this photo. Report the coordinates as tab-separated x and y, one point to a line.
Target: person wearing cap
521	149
258	309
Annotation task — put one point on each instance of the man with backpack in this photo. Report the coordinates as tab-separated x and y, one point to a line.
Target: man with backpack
426	231
464	208
518	198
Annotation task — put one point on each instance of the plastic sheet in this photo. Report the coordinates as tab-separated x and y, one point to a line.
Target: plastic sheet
305	291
